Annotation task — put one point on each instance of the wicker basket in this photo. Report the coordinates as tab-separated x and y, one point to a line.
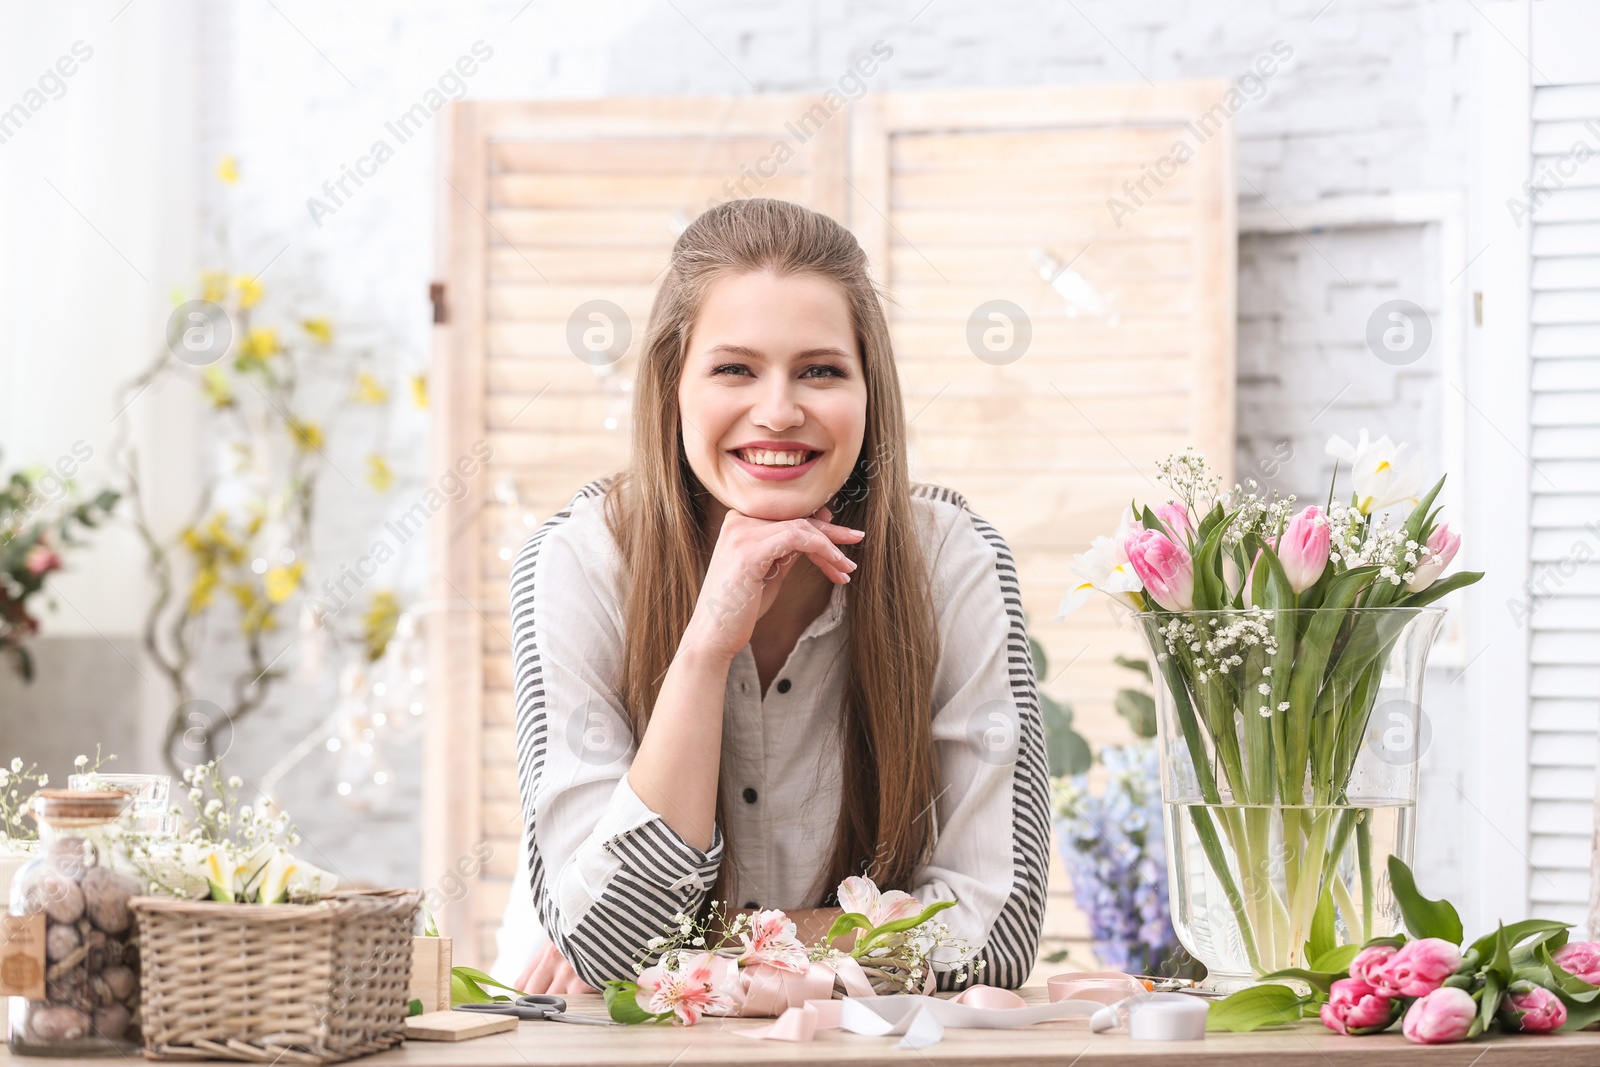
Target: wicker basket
297	983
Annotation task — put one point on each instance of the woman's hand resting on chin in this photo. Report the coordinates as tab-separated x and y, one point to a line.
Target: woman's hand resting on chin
748	565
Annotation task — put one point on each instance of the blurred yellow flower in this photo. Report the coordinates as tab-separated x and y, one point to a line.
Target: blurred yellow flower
259	343
214	286
369	390
321	329
379	476
203	587
250	290
281	582
228	169
308	435
379	623
419	390
217	388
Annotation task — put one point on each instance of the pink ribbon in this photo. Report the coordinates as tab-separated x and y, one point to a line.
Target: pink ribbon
809	1010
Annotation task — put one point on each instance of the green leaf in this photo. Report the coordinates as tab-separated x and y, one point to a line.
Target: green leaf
1132	664
1318	978
1419	514
1493	986
1515	934
1423	917
1139	709
1255	1007
1322	939
623	1005
413	1007
850	920
1499	962
910	922
1337	960
467	987
1066	749
430	927
466	991
1443	587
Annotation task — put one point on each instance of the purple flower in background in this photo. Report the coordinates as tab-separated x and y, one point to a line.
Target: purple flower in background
1115	852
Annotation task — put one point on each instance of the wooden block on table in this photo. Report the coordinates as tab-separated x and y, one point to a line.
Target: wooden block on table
431	960
457	1025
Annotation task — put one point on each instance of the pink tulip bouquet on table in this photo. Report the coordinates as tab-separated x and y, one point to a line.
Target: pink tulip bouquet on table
1523	978
754	965
1276	629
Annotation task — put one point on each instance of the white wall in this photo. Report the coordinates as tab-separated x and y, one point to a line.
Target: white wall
1377	100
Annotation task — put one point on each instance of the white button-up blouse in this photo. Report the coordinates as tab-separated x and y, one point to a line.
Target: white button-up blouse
608	873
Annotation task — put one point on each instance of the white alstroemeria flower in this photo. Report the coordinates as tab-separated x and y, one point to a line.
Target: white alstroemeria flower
1104	567
861	895
1383	472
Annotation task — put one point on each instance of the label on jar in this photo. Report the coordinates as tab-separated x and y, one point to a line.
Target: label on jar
22	956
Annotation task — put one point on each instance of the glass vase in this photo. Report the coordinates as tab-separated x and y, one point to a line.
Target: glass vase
1289	745
91	988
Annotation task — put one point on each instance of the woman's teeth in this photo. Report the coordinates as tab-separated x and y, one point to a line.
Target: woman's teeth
767	458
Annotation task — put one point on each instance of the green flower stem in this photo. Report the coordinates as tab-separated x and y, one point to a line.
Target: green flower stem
1212	846
1341	895
1364	866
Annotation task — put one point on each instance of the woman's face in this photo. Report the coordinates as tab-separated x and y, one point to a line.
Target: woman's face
772	398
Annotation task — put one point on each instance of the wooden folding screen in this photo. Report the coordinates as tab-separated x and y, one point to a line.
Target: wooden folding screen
958	198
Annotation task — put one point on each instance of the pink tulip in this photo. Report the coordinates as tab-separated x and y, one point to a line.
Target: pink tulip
1354	1007
1369	962
1175	517
1580	959
1442	1016
1303	548
1417	968
1442	547
1164	567
1537	1011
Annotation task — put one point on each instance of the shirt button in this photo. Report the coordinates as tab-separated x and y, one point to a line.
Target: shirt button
749	795
783	685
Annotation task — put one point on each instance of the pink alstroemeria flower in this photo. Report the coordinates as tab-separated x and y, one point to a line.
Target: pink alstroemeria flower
771	939
858	894
1164	567
688	992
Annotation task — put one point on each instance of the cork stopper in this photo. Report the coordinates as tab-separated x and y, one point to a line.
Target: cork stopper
79	807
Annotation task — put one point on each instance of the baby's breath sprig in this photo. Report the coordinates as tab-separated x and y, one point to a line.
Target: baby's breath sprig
18	781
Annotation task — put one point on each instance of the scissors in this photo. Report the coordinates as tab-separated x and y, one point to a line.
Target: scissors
536	1006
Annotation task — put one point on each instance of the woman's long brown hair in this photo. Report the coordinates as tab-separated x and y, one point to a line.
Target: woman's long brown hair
656	513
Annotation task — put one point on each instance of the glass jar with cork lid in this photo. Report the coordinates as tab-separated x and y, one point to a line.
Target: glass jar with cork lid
88	1000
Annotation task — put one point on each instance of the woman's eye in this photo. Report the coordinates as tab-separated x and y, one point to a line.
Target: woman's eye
827	369
735	367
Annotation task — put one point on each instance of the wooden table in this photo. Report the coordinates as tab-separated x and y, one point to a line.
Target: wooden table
1063	1042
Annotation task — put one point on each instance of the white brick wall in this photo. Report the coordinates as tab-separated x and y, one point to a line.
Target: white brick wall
1376	99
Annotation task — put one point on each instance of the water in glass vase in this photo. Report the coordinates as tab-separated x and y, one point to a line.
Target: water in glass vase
1248	879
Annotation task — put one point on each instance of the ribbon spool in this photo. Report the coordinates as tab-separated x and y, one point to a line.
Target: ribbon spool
1155	1017
1107	987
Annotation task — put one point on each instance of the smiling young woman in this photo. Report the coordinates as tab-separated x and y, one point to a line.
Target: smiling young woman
703	716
